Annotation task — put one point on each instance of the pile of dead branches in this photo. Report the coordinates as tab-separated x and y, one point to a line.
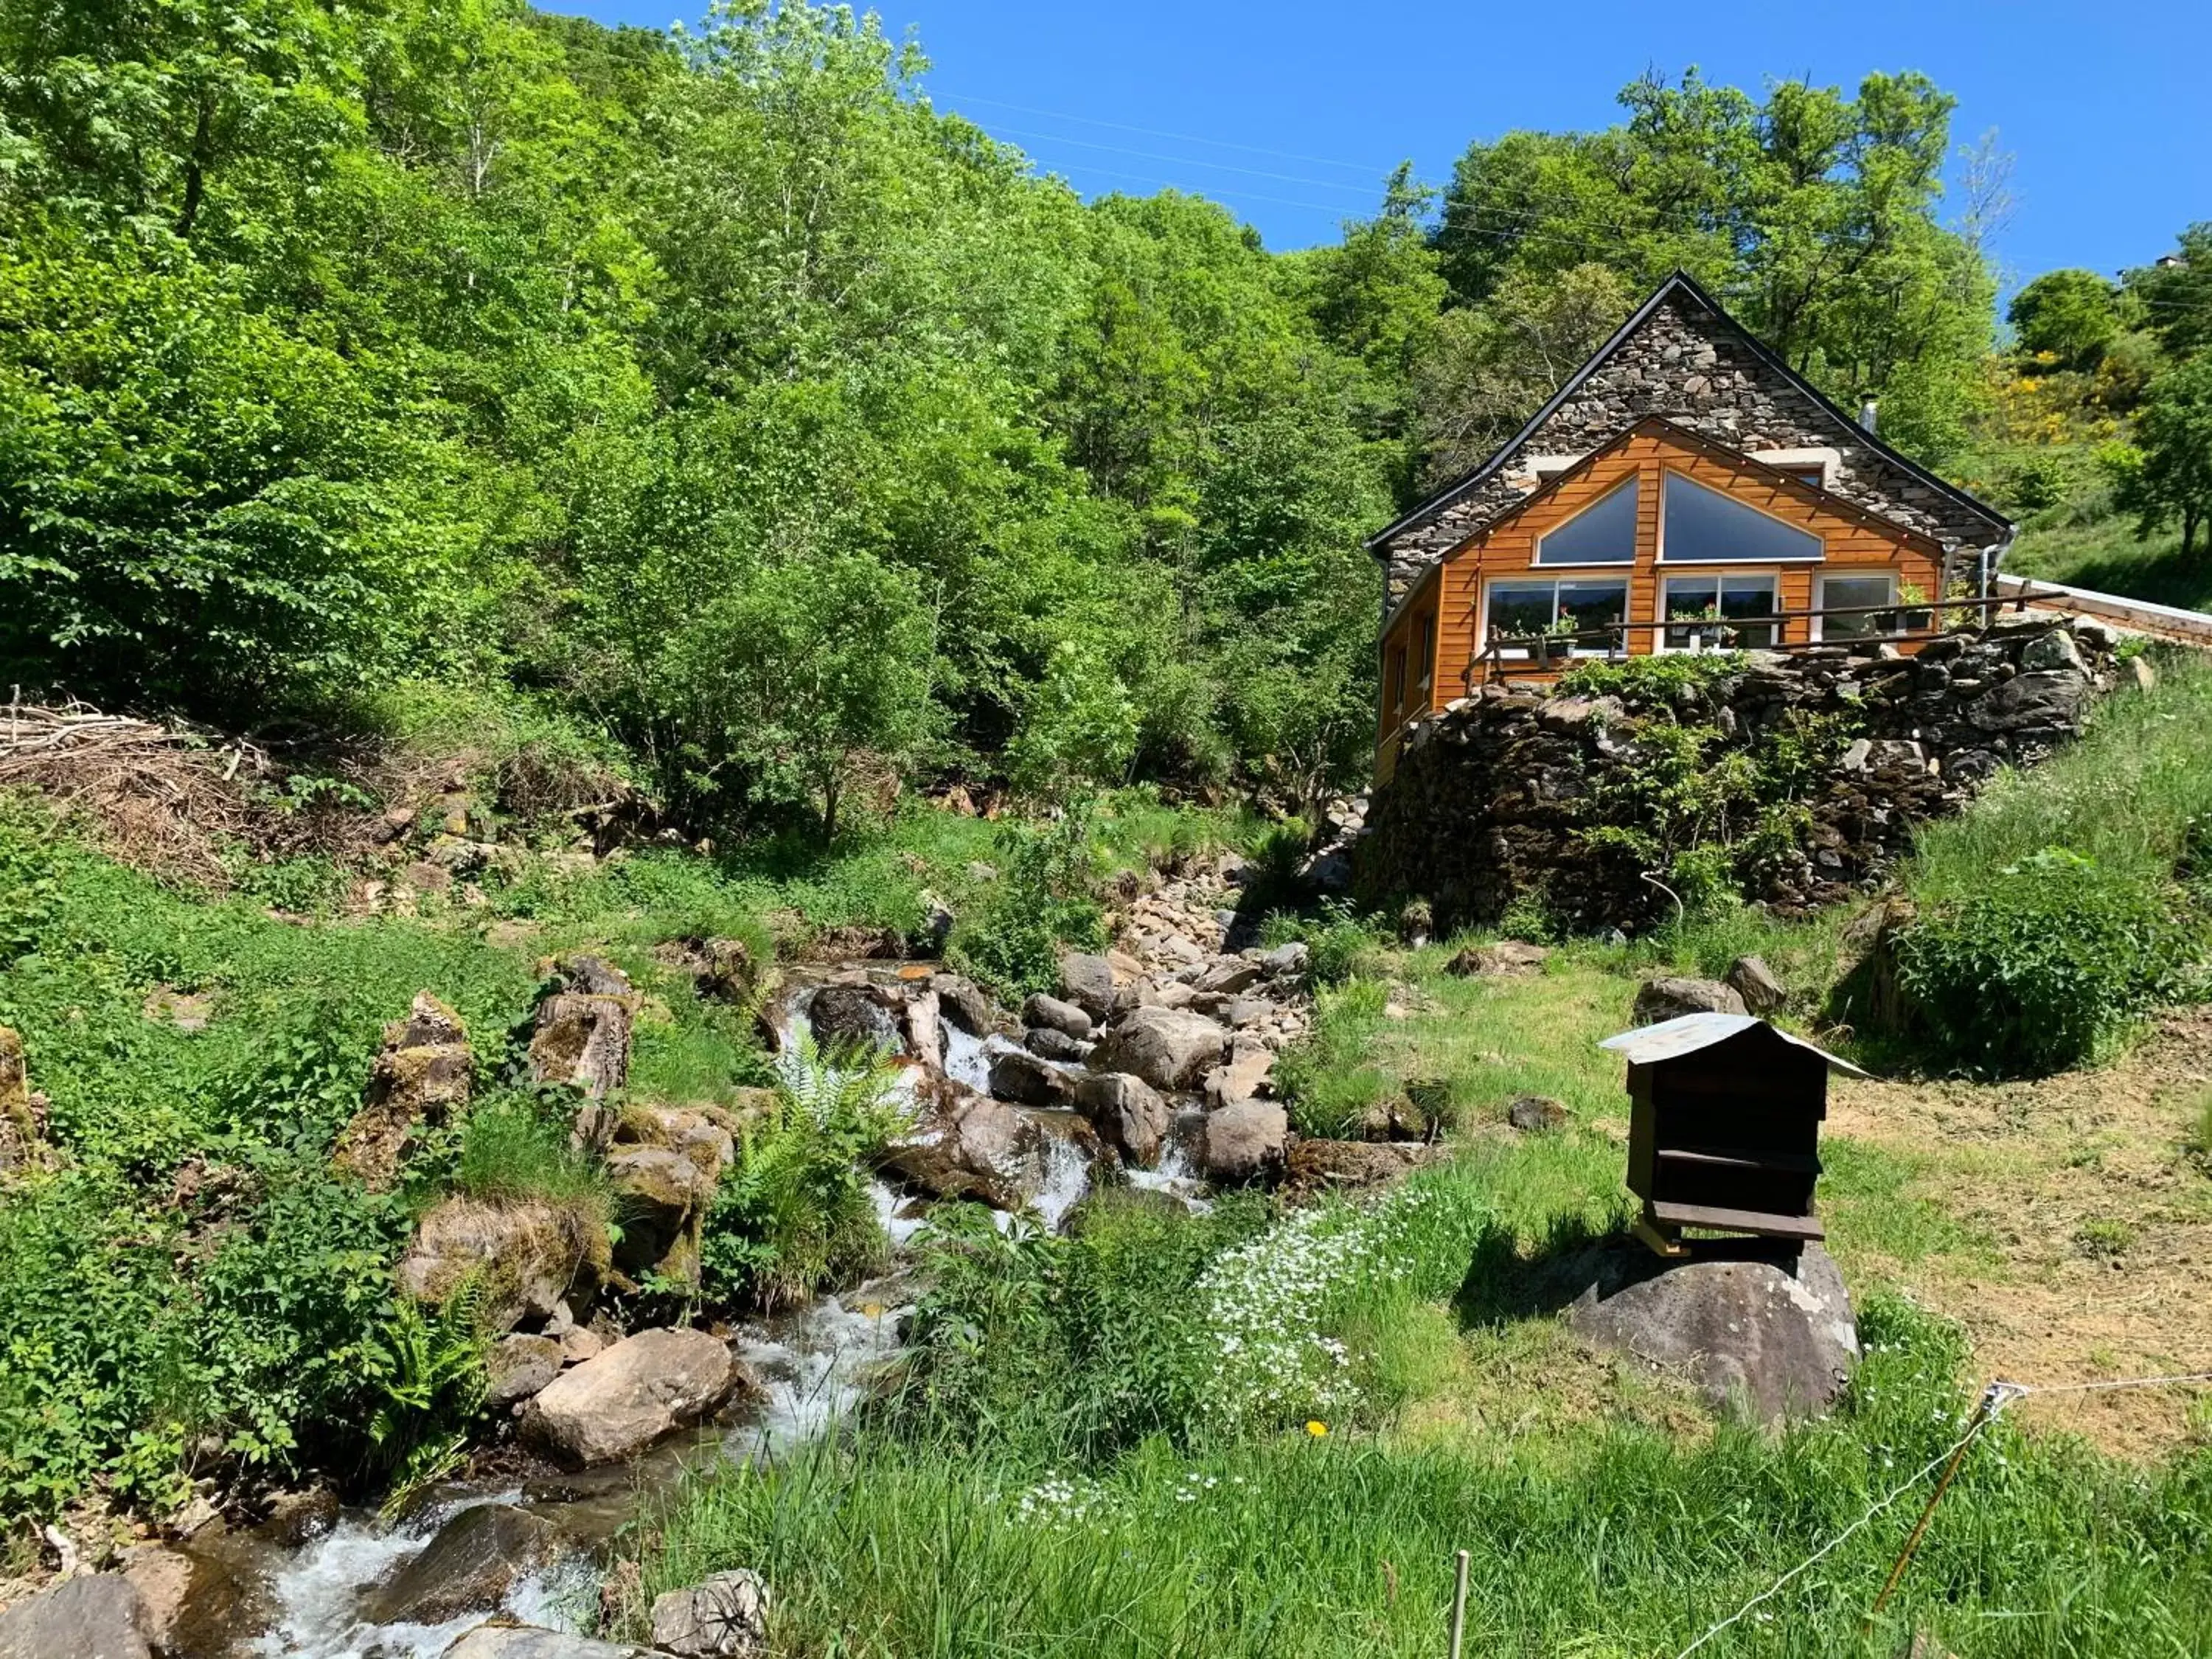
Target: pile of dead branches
165	798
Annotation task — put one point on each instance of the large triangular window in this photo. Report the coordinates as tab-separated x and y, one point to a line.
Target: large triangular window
1703	526
1603	532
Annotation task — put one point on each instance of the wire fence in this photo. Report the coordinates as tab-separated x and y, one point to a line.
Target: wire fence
1995	1400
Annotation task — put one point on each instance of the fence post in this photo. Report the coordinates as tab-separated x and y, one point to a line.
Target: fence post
1459	1603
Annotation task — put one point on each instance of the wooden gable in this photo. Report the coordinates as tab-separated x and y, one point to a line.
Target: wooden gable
1433	647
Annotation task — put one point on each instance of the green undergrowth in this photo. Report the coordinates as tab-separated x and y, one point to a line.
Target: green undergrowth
2070	899
194	1290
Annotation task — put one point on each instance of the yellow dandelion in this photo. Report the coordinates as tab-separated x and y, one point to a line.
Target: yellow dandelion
1316	1427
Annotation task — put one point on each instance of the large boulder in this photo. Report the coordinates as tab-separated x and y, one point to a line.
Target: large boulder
1670	997
582	1040
978	1148
193	1602
1245	1141
517	1366
475	1559
421	1077
1056	1015
97	1616
1756	983
1030	1081
720	1616
1128	1114
526	1255
1242	1074
963	1003
22	1126
1088	982
642	1388
661	1198
852	1017
2050	697
1761	1327
1170	1048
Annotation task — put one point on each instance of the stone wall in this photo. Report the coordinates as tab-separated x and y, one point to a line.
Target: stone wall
1697	368
1495	798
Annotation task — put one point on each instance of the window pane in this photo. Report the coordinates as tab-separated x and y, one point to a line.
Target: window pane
1594	606
1602	534
1742	597
1857	590
1520	608
1692	598
1704	527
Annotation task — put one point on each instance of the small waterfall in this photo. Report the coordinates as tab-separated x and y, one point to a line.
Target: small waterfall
1066	1180
1175	1177
813	1367
319	1590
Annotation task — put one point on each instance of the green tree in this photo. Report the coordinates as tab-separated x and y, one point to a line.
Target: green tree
2168	474
811	668
2176	293
1812	213
1492	365
2069	314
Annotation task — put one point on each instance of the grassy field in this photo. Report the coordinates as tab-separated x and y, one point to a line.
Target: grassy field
2106	555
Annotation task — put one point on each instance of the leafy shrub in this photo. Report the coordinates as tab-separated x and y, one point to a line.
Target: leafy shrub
1043	900
794	1213
2048	959
1080	1344
1337	942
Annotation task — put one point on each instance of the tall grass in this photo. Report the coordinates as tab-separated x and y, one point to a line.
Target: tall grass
1298	1544
2134	795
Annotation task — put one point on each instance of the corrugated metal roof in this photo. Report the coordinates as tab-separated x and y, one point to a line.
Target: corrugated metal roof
1670	1039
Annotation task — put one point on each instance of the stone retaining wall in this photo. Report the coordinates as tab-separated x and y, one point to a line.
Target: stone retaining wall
1495	799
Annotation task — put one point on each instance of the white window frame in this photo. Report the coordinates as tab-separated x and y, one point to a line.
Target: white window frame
1536	562
1820	591
1718	575
1521	653
1820	542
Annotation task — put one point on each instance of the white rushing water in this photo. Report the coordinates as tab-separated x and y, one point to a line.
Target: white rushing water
813	1366
1066	1180
1175	1177
320	1589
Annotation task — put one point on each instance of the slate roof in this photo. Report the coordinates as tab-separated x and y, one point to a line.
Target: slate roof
1671	1039
1680	284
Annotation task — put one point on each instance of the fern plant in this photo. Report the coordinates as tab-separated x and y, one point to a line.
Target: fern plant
428	1373
794	1213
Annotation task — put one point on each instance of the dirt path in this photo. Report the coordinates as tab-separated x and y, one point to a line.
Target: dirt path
2091	1226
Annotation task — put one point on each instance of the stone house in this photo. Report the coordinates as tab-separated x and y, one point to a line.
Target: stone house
1685	489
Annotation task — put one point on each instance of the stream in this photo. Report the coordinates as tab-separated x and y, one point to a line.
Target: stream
811	1365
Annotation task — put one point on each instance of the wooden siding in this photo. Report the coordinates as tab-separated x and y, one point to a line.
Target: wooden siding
1446	603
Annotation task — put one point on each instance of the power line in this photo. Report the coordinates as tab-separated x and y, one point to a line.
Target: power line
1179	137
1186	161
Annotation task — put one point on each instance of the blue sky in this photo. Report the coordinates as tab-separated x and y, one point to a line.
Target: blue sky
1292	112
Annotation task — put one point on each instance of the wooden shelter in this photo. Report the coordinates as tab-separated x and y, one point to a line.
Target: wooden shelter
1724	1128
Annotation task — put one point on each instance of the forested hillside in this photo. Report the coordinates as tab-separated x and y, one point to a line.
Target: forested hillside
716	394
